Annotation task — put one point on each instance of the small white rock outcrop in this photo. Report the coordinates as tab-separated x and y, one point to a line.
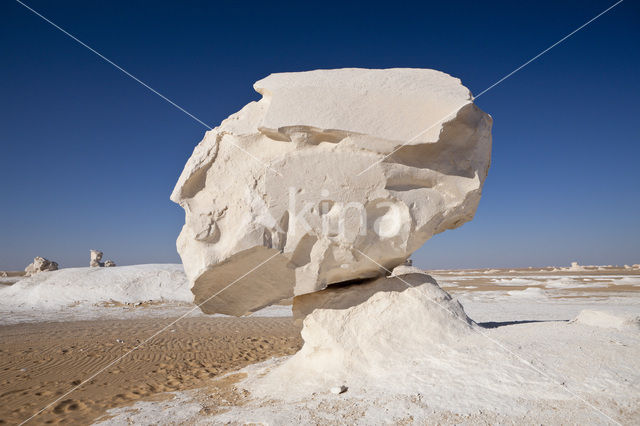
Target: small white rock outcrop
337	390
328	177
344	296
95	260
606	319
385	338
575	266
40	264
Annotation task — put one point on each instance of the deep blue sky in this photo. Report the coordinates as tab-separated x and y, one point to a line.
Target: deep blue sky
89	157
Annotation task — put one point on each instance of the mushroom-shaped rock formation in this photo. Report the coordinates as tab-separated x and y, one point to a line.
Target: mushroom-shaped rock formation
334	175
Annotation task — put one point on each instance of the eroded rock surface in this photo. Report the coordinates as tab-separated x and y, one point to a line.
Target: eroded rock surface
40	264
331	176
388	336
344	296
95	259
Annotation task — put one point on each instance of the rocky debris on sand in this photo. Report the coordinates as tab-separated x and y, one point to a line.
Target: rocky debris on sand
334	175
40	264
337	390
109	263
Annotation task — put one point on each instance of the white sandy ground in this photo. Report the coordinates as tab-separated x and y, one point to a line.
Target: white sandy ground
124	284
122	292
537	358
161	290
544	373
541	356
461	391
9	280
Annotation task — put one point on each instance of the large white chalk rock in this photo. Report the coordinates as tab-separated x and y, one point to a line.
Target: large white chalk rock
328	176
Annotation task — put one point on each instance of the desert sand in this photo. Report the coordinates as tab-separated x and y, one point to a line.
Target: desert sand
39	362
199	368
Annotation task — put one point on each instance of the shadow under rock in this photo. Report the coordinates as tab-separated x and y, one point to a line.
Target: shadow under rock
493	324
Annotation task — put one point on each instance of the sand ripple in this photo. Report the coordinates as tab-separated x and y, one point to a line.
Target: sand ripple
40	362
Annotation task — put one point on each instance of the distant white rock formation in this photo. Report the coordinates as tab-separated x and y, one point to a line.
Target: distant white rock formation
95	260
575	267
96	257
40	264
90	286
331	175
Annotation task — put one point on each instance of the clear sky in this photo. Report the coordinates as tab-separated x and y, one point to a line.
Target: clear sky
89	156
